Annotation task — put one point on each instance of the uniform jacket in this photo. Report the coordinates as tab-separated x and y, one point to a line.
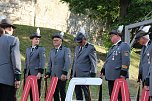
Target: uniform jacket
35	61
150	85
59	62
85	61
145	66
10	62
145	60
117	61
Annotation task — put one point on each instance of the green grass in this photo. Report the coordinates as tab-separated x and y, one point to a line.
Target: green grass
23	32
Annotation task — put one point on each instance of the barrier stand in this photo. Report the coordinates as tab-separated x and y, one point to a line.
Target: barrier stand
51	89
145	95
31	83
120	84
80	81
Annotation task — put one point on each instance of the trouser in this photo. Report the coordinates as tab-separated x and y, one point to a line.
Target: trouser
60	89
15	98
78	91
110	87
7	92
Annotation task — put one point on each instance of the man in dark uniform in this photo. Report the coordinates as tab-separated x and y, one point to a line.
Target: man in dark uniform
117	61
10	62
150	82
35	60
59	64
142	37
84	64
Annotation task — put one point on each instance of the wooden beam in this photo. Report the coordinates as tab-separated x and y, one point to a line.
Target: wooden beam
138	24
135	25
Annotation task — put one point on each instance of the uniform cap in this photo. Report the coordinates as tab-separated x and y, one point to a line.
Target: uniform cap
36	34
117	31
6	23
143	32
58	35
80	35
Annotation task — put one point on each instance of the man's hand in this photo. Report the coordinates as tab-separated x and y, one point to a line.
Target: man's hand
123	77
146	88
39	75
17	84
101	75
46	76
139	77
63	77
139	81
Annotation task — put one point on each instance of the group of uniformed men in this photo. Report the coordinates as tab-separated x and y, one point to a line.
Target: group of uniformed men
84	63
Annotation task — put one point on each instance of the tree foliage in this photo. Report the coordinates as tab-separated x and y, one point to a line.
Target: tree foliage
139	10
112	12
109	10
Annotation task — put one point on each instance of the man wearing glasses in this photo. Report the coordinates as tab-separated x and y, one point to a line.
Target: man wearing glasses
59	64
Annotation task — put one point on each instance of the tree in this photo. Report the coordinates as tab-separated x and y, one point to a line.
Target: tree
108	10
124	4
111	12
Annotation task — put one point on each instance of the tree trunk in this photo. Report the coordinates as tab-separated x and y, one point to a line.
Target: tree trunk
124	4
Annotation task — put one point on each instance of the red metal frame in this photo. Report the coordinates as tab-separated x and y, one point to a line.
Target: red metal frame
31	83
145	95
120	84
51	89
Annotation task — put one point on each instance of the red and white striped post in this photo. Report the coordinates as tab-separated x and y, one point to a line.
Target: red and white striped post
120	84
51	89
31	83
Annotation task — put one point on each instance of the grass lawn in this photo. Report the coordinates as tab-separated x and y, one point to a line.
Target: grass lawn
23	32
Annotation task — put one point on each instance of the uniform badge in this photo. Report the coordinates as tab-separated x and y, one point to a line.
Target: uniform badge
44	54
126	53
113	58
69	55
116	53
148	55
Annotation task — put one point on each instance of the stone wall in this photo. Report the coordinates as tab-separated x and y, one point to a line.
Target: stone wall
20	12
40	13
48	13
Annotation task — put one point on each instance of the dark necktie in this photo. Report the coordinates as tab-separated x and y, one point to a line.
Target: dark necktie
56	50
32	50
80	49
144	48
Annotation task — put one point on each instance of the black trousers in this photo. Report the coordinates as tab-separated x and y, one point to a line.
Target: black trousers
7	93
110	87
86	90
60	89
